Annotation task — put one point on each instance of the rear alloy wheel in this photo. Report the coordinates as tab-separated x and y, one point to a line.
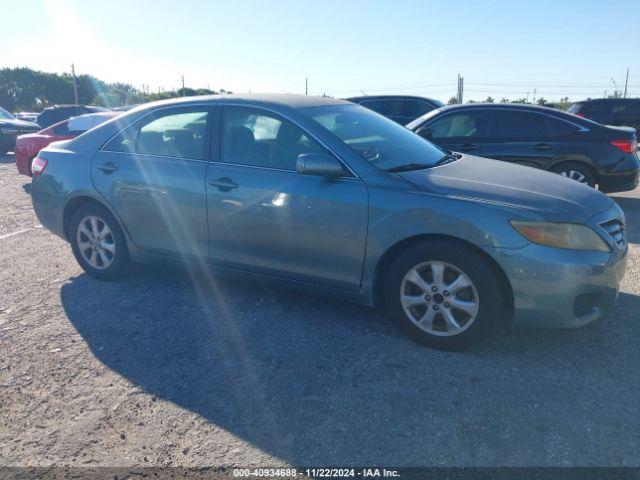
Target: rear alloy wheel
98	243
575	171
444	295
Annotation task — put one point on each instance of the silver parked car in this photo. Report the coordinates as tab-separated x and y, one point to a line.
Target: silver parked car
330	197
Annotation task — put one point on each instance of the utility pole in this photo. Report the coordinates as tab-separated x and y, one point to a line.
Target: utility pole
306	86
626	83
534	95
460	94
75	83
183	91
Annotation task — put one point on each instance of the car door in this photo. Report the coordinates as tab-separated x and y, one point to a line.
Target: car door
521	136
267	218
153	176
461	130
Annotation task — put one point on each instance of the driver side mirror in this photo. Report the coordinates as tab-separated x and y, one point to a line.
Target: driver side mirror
322	164
425	132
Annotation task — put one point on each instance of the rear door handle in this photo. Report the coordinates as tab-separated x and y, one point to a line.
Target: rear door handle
223	184
108	167
542	146
467	146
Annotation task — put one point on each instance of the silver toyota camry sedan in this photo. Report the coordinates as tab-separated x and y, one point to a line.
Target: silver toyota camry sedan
326	196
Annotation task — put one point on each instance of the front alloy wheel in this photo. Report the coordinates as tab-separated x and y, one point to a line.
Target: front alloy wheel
444	294
439	298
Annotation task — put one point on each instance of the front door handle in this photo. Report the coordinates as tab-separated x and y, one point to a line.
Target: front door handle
542	146
466	147
223	184
108	167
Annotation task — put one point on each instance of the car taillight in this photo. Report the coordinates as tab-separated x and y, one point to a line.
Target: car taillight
38	165
627	146
581	115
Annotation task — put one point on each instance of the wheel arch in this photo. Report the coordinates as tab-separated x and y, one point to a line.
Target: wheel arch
593	169
75	203
392	252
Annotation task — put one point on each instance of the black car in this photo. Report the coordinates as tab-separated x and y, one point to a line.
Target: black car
539	137
401	109
58	113
610	111
10	128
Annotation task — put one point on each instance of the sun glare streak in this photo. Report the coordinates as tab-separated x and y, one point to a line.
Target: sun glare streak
207	287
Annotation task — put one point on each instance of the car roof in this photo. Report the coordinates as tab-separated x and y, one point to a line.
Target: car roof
389	97
500	106
69	106
279	100
600	100
107	115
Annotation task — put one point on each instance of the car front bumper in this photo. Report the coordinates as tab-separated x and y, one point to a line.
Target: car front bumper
559	288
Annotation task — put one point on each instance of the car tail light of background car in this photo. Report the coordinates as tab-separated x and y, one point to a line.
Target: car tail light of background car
627	146
38	165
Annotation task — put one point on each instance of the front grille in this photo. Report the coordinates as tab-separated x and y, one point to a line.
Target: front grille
615	228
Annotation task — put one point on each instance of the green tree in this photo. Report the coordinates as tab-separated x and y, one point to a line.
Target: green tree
27	89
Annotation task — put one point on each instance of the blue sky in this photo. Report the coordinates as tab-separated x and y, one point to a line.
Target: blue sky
503	48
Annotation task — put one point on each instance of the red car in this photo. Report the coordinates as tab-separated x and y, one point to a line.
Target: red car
28	146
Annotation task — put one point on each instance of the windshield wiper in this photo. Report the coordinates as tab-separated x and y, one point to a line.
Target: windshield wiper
447	158
407	167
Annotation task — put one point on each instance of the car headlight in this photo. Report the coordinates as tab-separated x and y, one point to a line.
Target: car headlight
561	235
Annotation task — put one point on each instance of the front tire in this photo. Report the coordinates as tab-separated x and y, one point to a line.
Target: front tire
98	243
443	295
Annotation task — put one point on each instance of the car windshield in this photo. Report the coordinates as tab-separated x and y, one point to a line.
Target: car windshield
384	143
5	115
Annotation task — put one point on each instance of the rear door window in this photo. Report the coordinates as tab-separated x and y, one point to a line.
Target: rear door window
518	125
174	133
557	128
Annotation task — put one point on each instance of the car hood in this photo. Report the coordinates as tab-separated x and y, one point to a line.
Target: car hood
551	196
19	124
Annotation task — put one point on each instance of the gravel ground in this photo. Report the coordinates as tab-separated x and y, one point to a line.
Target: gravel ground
171	367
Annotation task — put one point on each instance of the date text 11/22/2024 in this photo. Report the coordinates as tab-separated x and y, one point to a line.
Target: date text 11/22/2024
315	473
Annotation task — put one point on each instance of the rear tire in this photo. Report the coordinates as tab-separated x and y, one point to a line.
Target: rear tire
443	295
98	243
576	171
